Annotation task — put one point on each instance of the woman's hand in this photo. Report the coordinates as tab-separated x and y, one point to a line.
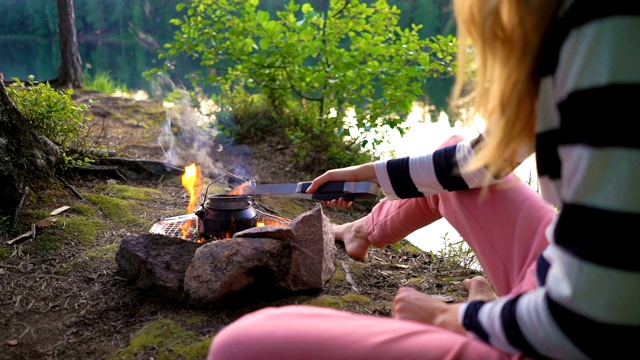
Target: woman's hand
410	304
365	172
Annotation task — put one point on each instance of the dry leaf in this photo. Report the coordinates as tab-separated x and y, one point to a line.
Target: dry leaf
60	209
45	223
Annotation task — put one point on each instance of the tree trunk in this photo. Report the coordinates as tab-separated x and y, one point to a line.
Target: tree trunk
26	158
70	70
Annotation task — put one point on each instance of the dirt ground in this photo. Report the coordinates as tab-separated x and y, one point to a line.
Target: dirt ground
61	294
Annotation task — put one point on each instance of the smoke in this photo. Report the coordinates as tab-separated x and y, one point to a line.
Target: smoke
189	134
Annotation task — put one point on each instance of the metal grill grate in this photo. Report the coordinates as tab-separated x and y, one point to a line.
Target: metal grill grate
172	226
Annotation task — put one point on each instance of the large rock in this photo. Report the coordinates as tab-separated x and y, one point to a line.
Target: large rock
222	268
271	232
156	262
300	256
314	251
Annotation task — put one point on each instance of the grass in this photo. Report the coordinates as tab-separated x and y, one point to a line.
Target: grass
103	82
456	253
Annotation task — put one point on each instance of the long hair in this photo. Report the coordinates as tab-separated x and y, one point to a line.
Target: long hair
499	41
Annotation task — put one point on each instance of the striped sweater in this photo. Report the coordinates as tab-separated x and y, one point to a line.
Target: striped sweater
587	302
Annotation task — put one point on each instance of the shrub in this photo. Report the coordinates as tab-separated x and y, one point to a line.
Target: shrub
53	114
311	68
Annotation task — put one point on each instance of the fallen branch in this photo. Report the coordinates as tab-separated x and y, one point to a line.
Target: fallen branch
73	190
15	216
20	237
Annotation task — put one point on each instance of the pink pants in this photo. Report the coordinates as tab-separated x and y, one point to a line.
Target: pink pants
505	229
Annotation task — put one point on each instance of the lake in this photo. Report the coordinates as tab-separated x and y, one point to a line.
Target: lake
125	61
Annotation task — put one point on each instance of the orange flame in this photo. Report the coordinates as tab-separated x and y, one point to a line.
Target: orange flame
240	189
192	182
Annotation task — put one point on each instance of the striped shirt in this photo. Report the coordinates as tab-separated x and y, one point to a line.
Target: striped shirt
587	302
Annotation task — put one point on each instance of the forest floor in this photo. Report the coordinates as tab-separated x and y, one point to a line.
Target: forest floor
62	295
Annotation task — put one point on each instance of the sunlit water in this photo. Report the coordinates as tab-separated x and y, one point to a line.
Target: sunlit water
425	136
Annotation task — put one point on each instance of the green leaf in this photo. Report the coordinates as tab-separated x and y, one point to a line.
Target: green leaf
263	16
306	8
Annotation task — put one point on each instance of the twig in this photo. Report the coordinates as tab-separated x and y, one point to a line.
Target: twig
20	237
15	216
122	177
73	190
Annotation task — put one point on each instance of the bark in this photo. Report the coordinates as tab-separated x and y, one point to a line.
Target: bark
70	70
26	158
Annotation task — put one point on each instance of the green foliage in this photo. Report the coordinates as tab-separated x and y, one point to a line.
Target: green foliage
103	82
313	69
455	254
53	114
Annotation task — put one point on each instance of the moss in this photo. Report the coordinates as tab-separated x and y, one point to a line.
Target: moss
339	303
47	241
129	192
117	210
104	252
85	210
406	246
193	319
169	341
28	217
5	254
356	298
339	275
81	229
326	301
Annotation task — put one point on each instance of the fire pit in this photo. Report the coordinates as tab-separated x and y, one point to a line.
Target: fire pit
219	216
222	215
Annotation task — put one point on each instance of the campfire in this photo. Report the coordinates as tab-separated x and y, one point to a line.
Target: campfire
218	216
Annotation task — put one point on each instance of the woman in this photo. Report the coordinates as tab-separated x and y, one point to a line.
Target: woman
550	75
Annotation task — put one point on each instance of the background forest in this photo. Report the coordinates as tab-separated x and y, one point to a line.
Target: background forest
125	19
124	39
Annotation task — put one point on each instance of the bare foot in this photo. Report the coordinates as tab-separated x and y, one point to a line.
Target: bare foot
479	289
354	237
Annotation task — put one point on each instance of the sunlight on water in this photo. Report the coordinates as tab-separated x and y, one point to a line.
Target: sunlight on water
425	136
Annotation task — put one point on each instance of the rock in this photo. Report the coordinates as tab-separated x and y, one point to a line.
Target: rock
222	268
156	262
313	251
259	261
271	232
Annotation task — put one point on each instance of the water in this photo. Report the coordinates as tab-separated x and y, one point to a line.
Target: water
125	61
425	136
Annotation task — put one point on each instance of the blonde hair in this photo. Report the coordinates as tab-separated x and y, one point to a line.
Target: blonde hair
499	41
